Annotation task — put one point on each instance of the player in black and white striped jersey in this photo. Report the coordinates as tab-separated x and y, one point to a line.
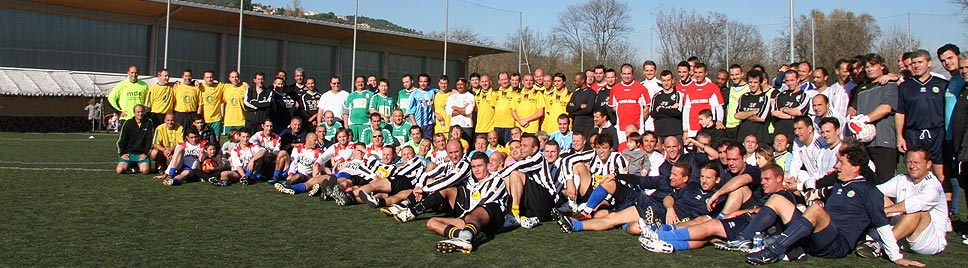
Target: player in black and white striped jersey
393	185
532	188
428	193
580	154
479	204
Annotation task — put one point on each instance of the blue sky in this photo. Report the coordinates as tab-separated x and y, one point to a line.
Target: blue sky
770	17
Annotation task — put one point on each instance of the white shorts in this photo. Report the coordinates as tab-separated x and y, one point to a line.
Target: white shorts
931	241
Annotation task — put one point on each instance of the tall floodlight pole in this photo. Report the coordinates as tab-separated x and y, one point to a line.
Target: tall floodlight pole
356	15
813	41
167	23
520	38
727	43
446	30
238	56
791	30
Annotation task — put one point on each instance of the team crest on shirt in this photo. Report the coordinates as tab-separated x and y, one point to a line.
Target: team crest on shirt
476	196
935	89
851	193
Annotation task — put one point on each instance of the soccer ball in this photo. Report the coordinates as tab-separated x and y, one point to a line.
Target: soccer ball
208	165
862	129
90	137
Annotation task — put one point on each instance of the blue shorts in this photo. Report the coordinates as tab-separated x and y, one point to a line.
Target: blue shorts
734	227
829	244
624	197
643	202
930	139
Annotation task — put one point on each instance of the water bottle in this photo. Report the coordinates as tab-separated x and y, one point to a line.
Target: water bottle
758	241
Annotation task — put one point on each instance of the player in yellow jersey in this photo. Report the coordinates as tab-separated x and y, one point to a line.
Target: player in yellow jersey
485	98
441	118
212	101
187	99
159	100
167	135
233	96
556	101
503	121
528	106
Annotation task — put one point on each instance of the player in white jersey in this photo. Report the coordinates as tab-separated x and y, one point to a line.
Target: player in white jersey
305	164
917	208
272	143
340	152
394	184
245	159
186	157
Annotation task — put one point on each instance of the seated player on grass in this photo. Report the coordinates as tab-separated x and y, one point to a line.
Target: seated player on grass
208	170
479	206
245	159
205	132
167	136
305	164
916	206
274	155
134	142
376	127
580	154
696	233
605	162
427	194
833	229
741	182
394	185
185	158
605	221
533	191
376	149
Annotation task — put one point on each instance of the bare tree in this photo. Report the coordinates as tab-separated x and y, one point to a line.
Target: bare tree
964	12
711	37
895	42
463	34
294	10
839	34
601	24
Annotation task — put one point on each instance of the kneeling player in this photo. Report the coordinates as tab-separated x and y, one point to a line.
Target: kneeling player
479	205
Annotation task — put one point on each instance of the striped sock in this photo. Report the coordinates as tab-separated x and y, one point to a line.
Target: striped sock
451	231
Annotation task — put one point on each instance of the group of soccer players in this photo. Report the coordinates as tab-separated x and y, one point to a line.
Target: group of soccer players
742	163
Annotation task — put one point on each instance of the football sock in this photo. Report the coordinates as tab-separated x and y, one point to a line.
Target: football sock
516	211
798	228
679	245
451	231
577	225
248	173
299	187
381	202
175	181
674	235
625	227
598	195
171	171
760	222
667	227
275	173
470	230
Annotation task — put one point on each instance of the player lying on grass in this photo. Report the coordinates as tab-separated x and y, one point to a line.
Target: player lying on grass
479	206
429	192
667	238
605	161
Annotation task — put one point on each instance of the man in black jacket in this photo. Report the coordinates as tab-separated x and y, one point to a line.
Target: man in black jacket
581	105
134	141
258	100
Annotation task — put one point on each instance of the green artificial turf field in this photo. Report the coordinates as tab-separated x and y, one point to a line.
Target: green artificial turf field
64	206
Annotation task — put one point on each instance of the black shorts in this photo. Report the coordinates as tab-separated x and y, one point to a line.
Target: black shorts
184	119
829	244
202	176
624	197
646	201
735	226
358	180
400	184
536	201
495	218
930	139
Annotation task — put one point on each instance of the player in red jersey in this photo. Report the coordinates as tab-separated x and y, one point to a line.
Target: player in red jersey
701	95
630	100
